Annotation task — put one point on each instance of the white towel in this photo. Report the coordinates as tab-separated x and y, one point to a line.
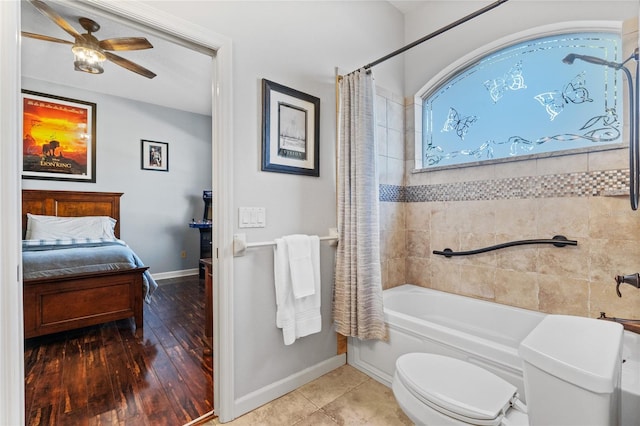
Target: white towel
302	280
296	317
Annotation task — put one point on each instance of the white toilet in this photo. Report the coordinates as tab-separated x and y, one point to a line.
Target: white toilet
572	370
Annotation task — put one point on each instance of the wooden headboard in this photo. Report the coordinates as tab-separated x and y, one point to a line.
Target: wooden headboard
70	204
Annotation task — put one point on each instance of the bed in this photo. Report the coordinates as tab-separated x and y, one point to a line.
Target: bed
77	295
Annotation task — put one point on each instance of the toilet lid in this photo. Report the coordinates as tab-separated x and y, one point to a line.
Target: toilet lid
456	388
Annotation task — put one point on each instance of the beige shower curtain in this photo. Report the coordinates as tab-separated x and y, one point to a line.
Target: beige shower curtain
357	308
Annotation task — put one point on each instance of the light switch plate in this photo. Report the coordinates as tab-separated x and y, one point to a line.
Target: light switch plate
252	217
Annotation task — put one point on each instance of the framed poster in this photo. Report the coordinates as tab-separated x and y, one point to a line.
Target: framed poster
58	138
155	155
290	130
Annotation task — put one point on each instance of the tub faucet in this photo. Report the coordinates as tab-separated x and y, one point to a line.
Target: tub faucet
633	279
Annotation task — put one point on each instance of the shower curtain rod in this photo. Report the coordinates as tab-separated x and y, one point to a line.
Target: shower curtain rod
435	33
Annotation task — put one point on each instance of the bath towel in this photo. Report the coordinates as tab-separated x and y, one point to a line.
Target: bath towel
296	317
302	281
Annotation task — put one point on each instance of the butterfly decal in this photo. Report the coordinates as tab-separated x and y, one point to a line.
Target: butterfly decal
512	80
459	124
574	92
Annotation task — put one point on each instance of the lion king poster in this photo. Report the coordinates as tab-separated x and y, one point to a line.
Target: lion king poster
58	138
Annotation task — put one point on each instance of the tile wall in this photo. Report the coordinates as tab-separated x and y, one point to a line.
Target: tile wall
582	197
390	110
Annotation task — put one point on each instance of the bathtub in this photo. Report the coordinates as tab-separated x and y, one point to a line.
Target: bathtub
481	332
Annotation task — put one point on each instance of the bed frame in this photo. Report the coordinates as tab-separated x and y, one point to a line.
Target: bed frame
52	305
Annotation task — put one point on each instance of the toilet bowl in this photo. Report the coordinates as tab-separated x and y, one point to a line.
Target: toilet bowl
571	372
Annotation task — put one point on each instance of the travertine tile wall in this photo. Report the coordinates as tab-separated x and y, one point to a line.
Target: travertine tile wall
580	196
569	280
390	112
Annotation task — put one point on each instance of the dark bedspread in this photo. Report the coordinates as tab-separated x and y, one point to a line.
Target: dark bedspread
53	258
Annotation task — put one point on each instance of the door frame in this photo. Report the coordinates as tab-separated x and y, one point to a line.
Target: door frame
11	330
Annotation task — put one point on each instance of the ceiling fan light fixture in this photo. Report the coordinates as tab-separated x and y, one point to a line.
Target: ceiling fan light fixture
89	52
88	59
88	67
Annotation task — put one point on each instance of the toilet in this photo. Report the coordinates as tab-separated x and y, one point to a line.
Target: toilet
572	372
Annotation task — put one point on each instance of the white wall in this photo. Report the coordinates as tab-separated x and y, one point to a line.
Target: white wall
297	44
11	330
156	207
426	60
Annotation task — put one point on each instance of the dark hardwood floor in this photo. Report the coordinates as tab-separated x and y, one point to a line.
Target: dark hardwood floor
105	375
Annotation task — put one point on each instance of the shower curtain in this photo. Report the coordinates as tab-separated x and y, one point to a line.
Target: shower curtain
357	307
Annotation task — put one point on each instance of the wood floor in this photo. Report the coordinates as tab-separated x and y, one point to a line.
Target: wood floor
104	375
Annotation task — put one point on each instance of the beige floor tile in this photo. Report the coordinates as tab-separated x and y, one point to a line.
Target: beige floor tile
286	410
319	418
344	396
369	403
333	385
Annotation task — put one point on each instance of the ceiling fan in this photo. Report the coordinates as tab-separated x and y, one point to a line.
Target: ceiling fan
89	52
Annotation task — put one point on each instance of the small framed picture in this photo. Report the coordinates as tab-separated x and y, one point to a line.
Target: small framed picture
290	130
155	155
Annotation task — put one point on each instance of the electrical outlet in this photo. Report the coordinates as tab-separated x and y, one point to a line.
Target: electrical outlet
183	254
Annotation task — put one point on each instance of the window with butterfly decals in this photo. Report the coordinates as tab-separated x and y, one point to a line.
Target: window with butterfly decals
523	100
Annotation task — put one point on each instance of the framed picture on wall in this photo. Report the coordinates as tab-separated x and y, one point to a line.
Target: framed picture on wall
58	138
155	155
290	130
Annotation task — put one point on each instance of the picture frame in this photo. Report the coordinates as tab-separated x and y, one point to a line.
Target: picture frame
58	138
290	130
154	155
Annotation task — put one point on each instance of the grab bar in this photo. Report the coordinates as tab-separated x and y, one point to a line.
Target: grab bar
558	241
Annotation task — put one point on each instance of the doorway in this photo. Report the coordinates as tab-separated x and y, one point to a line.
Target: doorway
13	406
146	96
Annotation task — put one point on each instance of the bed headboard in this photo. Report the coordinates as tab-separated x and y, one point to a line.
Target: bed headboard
70	204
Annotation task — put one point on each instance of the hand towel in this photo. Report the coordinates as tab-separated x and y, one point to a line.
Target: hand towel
308	319
296	317
285	314
299	248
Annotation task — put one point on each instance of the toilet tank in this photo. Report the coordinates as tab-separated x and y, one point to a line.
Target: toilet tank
572	371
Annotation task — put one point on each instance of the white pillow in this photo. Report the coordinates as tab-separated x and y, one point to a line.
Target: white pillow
53	227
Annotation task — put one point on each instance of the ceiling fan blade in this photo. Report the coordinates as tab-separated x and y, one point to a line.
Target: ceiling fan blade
44	37
131	66
125	43
53	15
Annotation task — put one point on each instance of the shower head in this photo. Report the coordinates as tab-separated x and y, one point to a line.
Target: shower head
570	58
634	106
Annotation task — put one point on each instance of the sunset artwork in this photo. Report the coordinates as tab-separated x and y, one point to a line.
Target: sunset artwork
58	138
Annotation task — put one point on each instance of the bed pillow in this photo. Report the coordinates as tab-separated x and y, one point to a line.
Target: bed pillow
54	227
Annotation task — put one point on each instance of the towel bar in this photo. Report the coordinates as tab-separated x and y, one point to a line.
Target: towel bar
240	244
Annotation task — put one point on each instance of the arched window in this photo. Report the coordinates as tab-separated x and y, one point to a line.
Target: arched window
528	98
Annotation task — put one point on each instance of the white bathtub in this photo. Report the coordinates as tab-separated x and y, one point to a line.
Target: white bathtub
481	332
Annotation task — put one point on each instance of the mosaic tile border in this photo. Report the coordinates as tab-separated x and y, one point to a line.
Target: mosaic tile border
583	184
392	193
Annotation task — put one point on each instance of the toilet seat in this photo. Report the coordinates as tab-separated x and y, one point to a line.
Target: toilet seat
456	388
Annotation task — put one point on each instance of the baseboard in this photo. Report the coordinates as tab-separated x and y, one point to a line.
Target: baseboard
203	420
275	390
175	274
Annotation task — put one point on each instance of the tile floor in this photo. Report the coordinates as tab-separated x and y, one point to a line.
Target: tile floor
344	396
